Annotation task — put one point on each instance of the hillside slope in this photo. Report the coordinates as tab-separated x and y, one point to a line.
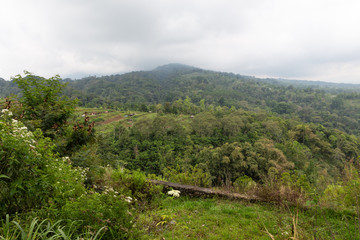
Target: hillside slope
333	105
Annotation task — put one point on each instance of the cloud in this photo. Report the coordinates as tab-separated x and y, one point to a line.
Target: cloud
315	40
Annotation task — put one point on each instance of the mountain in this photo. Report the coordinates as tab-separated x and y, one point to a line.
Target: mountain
330	104
7	88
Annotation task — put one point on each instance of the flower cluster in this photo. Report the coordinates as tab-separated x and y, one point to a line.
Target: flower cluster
174	193
110	190
128	199
66	160
18	130
6	112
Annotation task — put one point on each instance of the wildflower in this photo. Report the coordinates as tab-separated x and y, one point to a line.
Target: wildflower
4	110
66	159
128	199
174	193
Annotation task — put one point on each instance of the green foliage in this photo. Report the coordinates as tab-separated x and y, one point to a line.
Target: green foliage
292	187
193	176
229	144
45	229
199	135
174	89
244	184
42	105
94	211
345	194
31	172
226	219
333	196
23	157
134	184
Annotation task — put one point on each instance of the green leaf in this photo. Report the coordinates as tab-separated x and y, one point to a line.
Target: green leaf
4	176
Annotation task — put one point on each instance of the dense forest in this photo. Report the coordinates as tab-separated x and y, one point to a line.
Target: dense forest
295	144
329	104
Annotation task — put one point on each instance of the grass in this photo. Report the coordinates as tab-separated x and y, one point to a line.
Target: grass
45	229
187	218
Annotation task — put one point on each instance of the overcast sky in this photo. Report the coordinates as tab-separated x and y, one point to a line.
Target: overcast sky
296	39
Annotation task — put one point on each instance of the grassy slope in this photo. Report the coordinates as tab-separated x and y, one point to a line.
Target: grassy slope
187	218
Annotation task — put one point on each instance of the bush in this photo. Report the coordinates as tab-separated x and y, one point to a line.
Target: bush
194	176
346	194
30	173
95	210
23	160
244	184
333	196
292	188
134	184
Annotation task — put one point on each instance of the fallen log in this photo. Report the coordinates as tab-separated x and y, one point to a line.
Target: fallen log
194	190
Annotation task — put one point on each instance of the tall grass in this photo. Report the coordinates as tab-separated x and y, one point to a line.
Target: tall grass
44	230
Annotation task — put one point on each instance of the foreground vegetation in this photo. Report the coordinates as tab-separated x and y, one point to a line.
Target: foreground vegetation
186	218
68	173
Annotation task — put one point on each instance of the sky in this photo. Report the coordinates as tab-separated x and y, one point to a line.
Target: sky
293	39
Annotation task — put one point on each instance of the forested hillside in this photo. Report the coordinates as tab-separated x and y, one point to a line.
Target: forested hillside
226	145
7	88
332	105
84	171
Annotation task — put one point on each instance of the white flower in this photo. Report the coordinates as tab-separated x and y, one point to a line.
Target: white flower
174	193
128	199
13	120
6	112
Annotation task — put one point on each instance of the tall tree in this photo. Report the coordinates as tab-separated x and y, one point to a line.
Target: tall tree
42	103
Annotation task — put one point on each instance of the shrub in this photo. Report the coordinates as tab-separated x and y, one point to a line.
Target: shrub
194	176
333	196
23	159
292	188
30	173
95	210
346	194
134	184
244	184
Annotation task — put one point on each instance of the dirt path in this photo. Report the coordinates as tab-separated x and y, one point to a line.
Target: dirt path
110	120
189	189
